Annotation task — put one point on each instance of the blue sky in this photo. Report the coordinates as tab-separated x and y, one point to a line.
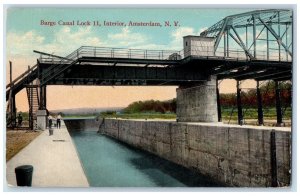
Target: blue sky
23	24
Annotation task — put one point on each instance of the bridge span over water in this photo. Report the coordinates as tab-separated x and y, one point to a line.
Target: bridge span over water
254	45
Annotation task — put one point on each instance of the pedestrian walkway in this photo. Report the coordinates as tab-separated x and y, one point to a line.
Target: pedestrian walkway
55	161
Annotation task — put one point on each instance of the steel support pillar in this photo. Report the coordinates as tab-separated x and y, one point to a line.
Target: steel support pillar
278	104
13	111
239	103
12	101
260	114
254	35
218	103
43	97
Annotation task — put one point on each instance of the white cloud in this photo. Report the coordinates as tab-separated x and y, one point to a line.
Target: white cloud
177	35
21	44
64	42
202	29
126	38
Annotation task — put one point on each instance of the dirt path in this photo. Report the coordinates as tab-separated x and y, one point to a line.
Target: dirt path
16	140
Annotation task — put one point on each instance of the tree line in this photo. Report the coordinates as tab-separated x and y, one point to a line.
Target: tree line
267	91
248	96
168	106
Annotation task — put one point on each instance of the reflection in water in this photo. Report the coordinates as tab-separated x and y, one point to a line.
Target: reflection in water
110	163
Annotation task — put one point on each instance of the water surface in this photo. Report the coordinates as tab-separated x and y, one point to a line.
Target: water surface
110	163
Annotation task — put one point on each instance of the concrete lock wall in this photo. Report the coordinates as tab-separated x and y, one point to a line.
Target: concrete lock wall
233	155
197	104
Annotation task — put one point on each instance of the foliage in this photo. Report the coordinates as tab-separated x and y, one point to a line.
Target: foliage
151	106
249	98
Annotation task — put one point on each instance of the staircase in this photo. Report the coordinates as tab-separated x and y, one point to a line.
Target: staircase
56	69
33	102
25	81
18	84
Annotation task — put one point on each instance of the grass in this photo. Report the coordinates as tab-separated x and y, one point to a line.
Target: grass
79	116
229	115
141	116
16	140
251	113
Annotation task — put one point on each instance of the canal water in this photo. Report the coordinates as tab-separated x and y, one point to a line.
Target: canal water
110	163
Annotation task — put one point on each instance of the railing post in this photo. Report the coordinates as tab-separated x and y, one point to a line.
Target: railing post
94	51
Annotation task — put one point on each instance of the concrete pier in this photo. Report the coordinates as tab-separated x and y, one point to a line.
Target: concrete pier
197	104
41	119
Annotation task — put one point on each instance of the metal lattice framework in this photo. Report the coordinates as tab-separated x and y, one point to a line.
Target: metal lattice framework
260	34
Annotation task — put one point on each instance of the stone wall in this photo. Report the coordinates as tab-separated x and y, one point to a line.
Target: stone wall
91	124
234	155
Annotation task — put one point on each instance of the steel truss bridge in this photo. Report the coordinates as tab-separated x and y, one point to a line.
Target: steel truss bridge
254	45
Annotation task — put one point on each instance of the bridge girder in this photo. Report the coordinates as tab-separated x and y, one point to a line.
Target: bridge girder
257	44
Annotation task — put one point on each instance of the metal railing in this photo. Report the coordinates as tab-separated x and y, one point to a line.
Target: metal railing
236	54
125	53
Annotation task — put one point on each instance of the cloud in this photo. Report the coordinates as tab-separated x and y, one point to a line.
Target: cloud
126	38
21	44
65	41
202	29
177	35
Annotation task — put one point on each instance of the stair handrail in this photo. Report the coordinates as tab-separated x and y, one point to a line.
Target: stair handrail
22	76
71	57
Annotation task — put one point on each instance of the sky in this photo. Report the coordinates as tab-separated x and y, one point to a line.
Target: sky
26	32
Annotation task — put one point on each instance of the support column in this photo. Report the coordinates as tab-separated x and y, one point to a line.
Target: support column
41	119
12	100
278	104
218	103
13	111
198	103
239	103
260	114
42	116
43	97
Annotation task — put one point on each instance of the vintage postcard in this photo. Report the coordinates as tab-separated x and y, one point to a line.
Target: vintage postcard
148	97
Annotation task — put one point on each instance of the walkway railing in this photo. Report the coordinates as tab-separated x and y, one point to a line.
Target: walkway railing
104	52
125	53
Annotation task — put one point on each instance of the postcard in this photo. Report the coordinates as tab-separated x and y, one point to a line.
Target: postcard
148	97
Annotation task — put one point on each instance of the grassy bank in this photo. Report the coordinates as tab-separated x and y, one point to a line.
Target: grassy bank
251	113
